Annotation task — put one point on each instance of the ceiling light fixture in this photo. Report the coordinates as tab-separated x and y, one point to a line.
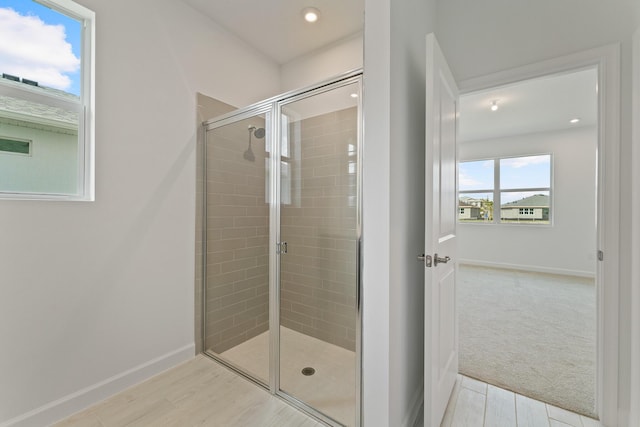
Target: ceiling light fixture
311	14
354	95
494	105
574	121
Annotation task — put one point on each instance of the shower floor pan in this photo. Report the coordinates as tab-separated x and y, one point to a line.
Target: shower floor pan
330	389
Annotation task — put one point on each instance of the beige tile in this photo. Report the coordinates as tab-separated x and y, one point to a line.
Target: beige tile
589	422
199	392
80	420
530	413
475	385
501	408
469	410
564	416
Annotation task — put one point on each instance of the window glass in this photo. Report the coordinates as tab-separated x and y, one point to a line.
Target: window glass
476	175
476	207
529	207
523	195
46	99
525	172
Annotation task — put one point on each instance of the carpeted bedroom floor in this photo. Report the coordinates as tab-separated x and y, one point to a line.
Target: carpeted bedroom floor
532	333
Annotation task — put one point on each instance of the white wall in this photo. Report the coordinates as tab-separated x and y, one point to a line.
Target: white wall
481	38
97	295
375	214
395	57
569	245
342	56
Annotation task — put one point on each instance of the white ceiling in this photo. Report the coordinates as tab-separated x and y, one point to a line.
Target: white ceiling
537	105
276	27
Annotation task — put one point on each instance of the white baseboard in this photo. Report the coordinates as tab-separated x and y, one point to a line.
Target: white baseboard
82	399
410	420
537	269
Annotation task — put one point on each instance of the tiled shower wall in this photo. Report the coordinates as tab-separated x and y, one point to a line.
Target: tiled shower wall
207	108
237	238
318	274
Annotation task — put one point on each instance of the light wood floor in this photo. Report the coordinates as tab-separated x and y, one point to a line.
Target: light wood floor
202	392
478	404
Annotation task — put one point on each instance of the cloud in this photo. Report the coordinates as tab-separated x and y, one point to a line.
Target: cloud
468	182
519	162
35	50
469	173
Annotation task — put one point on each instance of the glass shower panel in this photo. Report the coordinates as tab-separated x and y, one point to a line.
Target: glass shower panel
318	221
237	245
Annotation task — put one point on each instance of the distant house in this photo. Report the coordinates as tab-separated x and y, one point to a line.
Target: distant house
468	211
38	141
533	208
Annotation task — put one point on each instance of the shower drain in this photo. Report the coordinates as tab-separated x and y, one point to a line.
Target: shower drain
308	371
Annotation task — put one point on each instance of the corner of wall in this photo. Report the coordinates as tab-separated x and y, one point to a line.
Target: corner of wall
634	415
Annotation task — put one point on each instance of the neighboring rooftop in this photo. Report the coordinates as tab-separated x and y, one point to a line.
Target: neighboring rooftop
29	109
538	200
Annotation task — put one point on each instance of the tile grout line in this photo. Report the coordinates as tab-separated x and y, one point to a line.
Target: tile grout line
515	406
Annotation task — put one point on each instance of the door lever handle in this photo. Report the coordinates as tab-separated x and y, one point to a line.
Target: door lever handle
439	260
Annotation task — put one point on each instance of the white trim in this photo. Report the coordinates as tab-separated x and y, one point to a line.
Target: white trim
75	402
607	60
533	268
413	417
634	416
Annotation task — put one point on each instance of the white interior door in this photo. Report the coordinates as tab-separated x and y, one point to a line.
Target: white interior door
441	335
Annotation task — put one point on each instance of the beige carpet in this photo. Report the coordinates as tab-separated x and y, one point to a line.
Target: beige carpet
532	333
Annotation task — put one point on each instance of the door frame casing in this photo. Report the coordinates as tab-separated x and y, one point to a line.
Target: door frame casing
634	416
607	61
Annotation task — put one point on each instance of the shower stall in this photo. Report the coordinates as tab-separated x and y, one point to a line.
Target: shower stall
281	233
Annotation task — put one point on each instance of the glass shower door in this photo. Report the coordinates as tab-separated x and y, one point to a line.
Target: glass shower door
319	231
236	308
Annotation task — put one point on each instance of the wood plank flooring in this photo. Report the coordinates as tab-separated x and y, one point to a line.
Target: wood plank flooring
200	392
478	404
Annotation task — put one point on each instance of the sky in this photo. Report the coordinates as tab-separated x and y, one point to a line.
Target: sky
515	173
40	44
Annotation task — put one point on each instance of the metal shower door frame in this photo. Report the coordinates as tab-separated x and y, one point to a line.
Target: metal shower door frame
272	108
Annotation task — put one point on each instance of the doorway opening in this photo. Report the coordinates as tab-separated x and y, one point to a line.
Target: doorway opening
528	229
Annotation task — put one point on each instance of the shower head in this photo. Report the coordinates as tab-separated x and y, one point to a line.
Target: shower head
257	132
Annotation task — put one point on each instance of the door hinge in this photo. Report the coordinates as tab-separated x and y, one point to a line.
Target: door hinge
600	256
281	248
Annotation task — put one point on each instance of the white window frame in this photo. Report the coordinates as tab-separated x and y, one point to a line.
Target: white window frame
497	191
85	108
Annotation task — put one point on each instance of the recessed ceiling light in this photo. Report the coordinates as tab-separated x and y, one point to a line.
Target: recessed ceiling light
494	105
574	121
311	14
354	95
